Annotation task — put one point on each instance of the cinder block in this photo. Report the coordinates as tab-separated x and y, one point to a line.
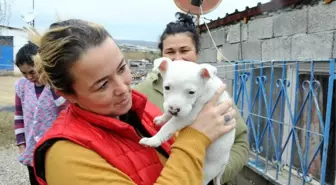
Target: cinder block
200	56
312	46
260	29
251	50
290	23
209	55
322	17
205	41
235	33
219	36
244	31
276	49
230	51
225	70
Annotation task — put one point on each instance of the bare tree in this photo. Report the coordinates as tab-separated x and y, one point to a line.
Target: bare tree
4	13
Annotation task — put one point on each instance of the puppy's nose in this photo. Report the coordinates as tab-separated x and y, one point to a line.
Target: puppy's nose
172	108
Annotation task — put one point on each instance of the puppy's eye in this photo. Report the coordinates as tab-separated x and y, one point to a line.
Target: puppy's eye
167	88
191	92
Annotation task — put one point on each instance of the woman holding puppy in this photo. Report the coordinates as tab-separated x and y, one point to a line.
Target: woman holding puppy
180	41
95	141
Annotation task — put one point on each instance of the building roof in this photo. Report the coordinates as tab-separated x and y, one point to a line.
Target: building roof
11	28
260	9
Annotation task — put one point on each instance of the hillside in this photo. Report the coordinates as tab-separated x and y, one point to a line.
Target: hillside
148	44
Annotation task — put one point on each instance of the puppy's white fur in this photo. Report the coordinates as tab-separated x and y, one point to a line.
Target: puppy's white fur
187	87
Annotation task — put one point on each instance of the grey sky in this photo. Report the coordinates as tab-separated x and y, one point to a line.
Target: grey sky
125	19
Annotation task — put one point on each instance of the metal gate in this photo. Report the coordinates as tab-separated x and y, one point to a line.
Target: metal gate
275	98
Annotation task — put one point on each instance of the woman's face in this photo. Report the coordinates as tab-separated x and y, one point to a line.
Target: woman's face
29	72
179	47
102	81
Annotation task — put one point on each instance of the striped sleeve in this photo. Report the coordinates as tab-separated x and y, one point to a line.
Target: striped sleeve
19	122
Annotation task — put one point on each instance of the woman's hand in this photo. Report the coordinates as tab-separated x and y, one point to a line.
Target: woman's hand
22	148
216	120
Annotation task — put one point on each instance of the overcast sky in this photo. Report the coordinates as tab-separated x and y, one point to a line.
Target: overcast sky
124	19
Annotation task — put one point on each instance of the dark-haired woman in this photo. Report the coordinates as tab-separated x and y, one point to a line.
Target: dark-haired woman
180	41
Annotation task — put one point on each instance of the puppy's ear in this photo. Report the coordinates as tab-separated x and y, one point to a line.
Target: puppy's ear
208	71
161	64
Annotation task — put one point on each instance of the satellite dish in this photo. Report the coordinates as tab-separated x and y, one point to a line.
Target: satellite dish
193	6
29	17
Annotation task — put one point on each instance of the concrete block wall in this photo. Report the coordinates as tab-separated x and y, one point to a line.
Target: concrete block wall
294	34
291	34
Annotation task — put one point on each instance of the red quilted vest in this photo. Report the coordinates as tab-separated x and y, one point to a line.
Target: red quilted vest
114	140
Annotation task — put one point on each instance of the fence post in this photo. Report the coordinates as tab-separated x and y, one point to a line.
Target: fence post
235	83
327	122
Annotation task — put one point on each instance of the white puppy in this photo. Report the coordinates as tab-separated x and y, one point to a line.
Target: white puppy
187	87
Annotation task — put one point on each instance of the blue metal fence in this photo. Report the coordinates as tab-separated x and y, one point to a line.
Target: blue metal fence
288	125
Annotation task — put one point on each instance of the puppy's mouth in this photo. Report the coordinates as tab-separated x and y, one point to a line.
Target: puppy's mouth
173	113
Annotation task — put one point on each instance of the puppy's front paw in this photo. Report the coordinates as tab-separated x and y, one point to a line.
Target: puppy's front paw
159	120
151	142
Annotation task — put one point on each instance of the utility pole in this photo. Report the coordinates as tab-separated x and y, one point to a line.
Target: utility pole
33	22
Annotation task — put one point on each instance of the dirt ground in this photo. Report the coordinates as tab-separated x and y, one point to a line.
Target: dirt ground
6	115
7	90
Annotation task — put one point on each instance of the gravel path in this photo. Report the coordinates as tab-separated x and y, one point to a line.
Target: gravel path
11	171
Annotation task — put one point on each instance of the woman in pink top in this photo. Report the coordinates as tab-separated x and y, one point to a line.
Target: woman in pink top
36	107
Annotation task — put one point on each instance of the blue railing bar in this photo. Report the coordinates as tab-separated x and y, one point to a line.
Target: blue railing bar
248	100
243	92
244	78
295	108
301	109
308	121
275	65
239	92
296	88
289	107
279	150
277	102
262	81
291	160
314	156
235	82
298	128
319	114
259	109
256	96
294	122
327	123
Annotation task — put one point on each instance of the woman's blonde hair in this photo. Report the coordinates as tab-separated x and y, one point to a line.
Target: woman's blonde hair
61	46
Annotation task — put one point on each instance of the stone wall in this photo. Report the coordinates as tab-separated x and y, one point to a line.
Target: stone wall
302	33
290	34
